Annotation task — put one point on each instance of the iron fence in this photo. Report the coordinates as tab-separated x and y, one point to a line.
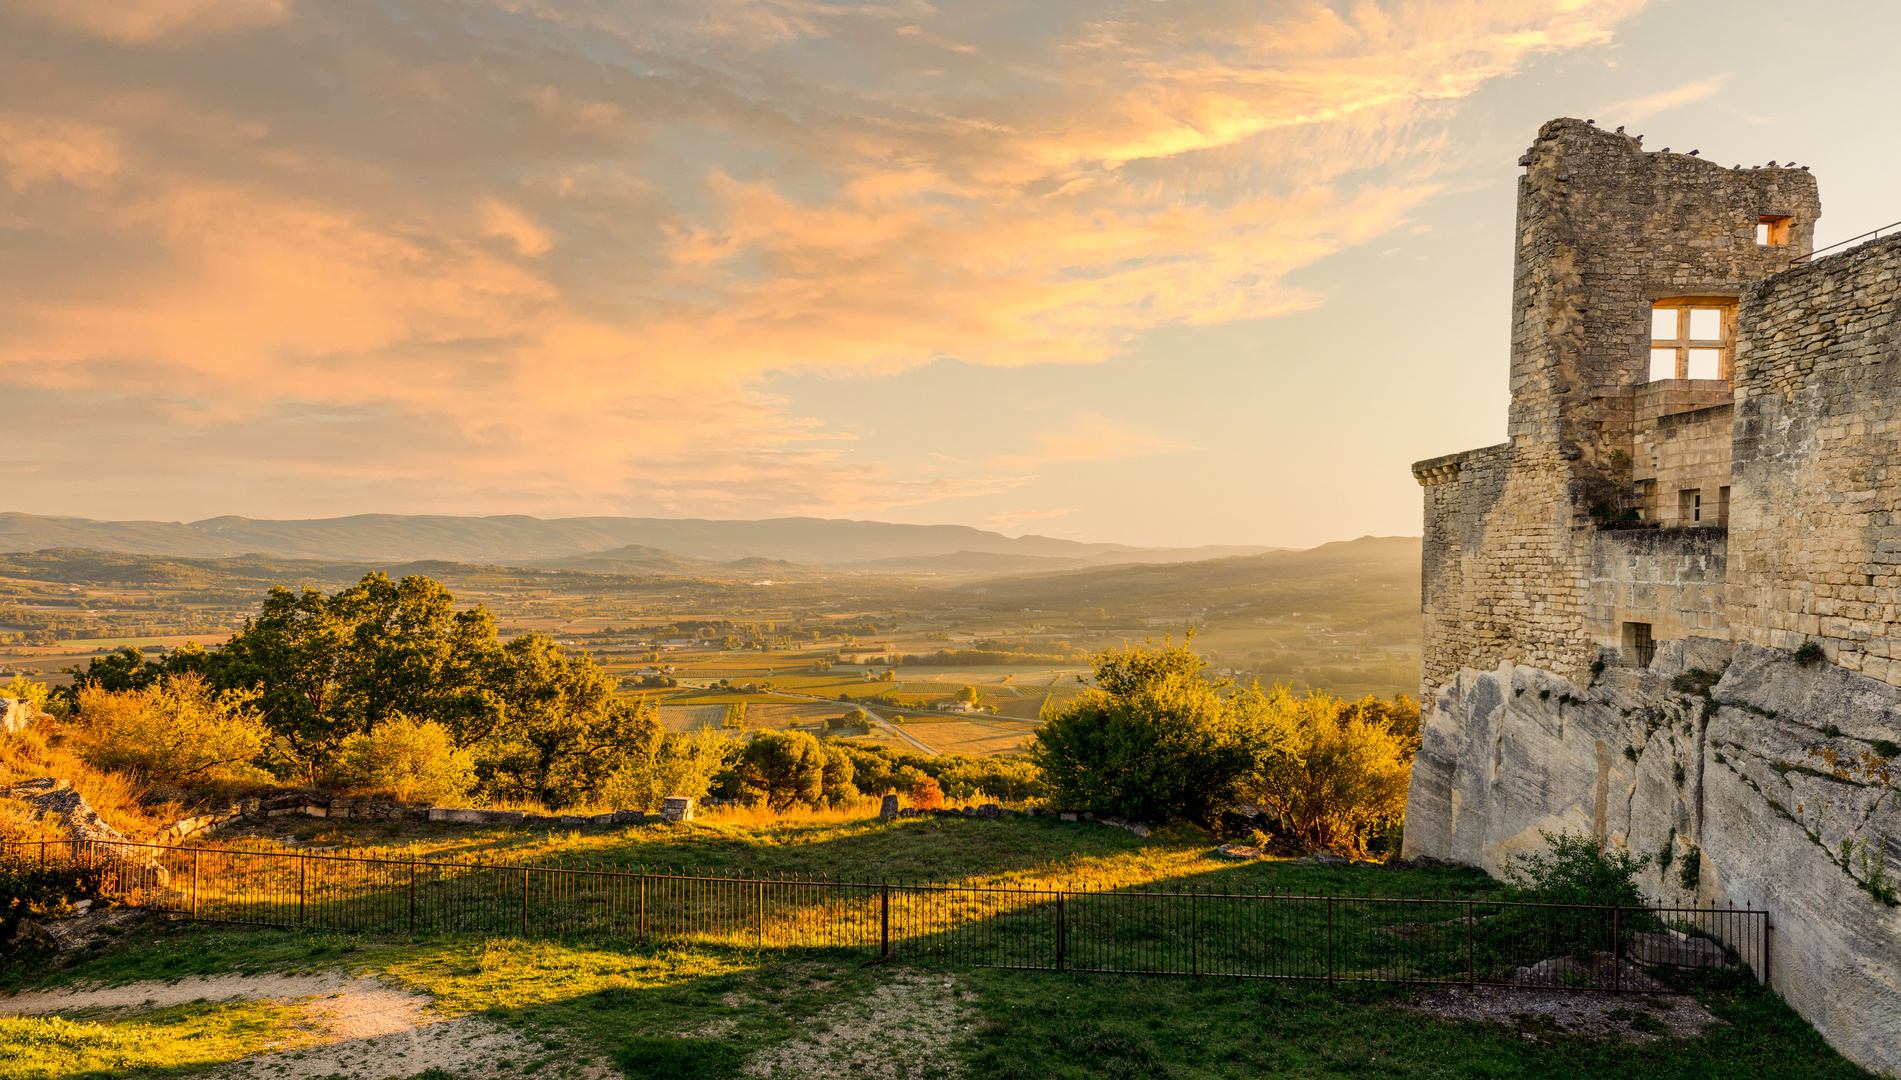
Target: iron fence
1177	931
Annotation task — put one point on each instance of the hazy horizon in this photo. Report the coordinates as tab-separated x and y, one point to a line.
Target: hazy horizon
1125	272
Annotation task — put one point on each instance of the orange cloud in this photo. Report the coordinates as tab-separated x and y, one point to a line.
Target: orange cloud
544	257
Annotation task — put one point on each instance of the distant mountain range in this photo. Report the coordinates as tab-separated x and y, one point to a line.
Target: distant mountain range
597	544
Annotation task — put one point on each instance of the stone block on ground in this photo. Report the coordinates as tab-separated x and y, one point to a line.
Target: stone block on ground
676	808
888	808
1239	851
1677	950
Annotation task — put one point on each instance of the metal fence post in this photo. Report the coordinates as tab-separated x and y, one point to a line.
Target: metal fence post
1617	951
194	883
1330	902
412	898
524	901
303	873
1471	963
1060	942
884	921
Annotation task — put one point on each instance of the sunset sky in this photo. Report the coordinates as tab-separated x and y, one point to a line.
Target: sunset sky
1150	272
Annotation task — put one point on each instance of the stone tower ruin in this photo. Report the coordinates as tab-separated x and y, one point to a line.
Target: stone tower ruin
1667	610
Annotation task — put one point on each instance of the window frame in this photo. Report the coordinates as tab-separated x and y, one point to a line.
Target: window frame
1775	230
1682	344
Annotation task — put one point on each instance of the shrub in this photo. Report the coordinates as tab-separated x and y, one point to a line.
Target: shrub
27	887
1003	779
681	764
1809	653
1575	870
1156	741
177	730
408	759
1343	782
924	792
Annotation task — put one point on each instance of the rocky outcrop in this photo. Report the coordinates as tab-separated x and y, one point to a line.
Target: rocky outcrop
1749	779
48	797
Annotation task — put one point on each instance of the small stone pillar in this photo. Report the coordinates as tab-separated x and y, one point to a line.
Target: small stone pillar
888	808
676	808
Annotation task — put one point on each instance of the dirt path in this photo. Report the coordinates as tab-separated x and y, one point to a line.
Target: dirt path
362	1027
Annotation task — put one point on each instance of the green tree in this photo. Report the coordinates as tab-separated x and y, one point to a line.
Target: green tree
783	768
562	732
1155	741
836	787
291	653
410	652
970	694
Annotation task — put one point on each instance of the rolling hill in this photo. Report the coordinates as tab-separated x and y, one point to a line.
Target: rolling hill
643	544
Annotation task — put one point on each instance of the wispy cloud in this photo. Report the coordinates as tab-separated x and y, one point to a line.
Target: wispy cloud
1636	110
542	257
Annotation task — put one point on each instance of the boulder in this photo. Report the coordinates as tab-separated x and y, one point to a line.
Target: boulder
1239	851
1677	950
888	808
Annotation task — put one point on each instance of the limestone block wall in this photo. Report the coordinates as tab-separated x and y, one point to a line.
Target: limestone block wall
1604	230
1671	579
1677	452
1815	504
1497	583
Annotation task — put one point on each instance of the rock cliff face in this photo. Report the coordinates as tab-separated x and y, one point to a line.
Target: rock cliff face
1749	778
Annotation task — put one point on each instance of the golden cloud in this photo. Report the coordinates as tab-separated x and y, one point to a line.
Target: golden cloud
544	257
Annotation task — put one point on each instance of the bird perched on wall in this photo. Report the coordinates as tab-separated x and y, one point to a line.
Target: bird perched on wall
1772	164
1666	150
1693	153
1590	121
1620	129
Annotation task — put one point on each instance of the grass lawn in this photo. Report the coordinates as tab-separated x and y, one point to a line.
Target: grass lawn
682	1010
668	1012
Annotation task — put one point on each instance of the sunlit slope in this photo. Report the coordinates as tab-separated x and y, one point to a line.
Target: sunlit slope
1374	579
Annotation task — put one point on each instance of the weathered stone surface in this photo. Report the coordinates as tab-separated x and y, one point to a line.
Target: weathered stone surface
888	807
54	798
676	808
65	935
1763	807
16	715
1677	950
1239	851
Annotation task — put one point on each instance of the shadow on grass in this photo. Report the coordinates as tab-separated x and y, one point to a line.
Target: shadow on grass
660	1009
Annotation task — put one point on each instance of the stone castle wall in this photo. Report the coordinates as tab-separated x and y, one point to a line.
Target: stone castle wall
1815	536
1758	779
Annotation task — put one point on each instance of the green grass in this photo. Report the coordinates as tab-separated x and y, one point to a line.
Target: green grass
641	1005
659	1005
1080	1026
163	1042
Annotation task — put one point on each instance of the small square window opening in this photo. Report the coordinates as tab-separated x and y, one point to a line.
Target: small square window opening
1772	230
1639	647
